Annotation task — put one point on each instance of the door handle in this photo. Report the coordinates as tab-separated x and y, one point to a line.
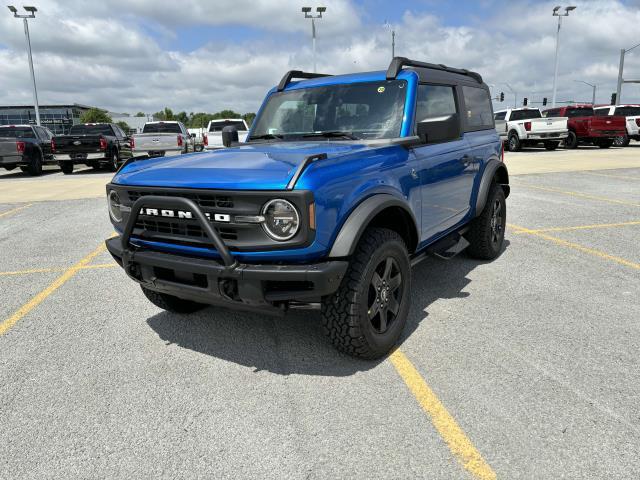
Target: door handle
466	160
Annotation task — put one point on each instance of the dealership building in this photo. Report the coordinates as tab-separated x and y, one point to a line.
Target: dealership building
59	118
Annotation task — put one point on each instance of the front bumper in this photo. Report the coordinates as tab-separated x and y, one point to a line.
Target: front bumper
80	157
242	286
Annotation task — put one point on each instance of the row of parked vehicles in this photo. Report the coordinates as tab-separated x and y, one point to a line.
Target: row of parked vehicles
102	145
571	125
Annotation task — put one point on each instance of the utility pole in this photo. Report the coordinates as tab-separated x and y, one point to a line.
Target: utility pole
620	69
389	27
32	14
555	73
307	14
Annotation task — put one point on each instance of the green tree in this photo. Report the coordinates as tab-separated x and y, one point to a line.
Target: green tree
95	115
166	114
249	118
182	117
124	126
140	114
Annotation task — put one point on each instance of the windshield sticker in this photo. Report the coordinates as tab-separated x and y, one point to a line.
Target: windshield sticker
380	89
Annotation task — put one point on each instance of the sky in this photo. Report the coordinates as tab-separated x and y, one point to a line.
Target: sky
206	56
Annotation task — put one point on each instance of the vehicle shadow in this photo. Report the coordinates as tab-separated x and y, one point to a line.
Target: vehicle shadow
295	343
19	174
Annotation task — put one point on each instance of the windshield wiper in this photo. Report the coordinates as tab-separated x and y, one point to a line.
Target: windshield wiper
332	134
267	136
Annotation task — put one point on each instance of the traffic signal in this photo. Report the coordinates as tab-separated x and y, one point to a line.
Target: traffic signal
525	101
613	98
544	102
502	96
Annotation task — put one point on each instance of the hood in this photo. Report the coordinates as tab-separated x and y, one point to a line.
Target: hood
267	166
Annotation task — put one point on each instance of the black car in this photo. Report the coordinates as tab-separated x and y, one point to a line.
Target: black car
98	145
25	146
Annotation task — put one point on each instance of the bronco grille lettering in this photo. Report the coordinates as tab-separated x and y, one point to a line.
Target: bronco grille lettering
154	212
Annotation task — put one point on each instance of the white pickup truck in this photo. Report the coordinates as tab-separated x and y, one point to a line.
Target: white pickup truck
213	138
162	139
632	114
520	127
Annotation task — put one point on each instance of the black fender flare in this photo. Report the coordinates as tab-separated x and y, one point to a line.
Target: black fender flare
358	220
493	167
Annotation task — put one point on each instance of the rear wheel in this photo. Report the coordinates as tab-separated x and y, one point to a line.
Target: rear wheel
366	315
10	167
549	145
621	141
571	141
514	143
114	162
486	234
171	303
66	167
35	167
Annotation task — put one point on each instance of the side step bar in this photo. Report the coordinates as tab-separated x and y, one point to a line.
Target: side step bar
446	248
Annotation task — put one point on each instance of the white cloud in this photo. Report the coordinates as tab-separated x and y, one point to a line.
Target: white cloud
110	56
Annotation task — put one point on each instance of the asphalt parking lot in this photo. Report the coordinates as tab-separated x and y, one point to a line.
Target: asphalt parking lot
525	367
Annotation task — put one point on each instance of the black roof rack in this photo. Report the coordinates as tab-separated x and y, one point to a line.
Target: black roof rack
398	62
291	74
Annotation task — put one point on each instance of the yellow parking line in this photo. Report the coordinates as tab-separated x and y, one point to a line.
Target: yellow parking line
576	246
55	269
57	283
578	227
447	427
578	194
14	210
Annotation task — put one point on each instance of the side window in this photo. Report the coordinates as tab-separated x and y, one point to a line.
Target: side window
434	101
118	132
40	133
478	112
500	116
602	112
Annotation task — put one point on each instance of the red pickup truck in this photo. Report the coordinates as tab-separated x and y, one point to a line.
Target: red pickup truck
585	127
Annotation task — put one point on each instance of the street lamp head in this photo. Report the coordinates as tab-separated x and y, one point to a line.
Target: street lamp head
12	8
555	10
31	9
321	10
568	9
306	9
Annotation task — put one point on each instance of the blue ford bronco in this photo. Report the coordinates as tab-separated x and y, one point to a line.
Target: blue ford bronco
343	184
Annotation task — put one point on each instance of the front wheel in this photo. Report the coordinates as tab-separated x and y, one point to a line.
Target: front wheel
366	315
486	235
571	141
621	141
170	303
549	145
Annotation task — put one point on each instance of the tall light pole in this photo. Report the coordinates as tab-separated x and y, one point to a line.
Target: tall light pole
555	73
620	68
389	27
32	14
593	100
307	14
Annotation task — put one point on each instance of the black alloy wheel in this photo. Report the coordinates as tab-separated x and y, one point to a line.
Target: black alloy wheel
385	293
497	222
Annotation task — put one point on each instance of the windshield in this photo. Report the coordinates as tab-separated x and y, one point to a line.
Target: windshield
627	111
218	125
161	128
17	132
360	110
579	112
100	129
525	114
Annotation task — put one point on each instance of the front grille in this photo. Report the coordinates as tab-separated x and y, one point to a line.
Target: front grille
203	200
182	228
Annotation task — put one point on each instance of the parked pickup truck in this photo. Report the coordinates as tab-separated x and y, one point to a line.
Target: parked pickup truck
213	137
97	145
162	139
631	114
520	127
585	127
343	184
25	146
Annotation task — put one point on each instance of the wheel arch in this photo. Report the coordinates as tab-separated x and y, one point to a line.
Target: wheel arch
381	210
495	170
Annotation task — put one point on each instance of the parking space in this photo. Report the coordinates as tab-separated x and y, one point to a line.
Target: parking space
525	367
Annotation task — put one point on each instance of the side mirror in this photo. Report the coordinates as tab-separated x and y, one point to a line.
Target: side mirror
229	135
439	129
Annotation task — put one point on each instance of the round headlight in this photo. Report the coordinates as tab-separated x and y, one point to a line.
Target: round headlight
281	219
115	206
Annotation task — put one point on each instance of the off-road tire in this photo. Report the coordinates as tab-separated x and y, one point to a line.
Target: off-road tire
571	141
513	143
621	141
345	314
66	167
482	232
550	145
171	303
35	167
